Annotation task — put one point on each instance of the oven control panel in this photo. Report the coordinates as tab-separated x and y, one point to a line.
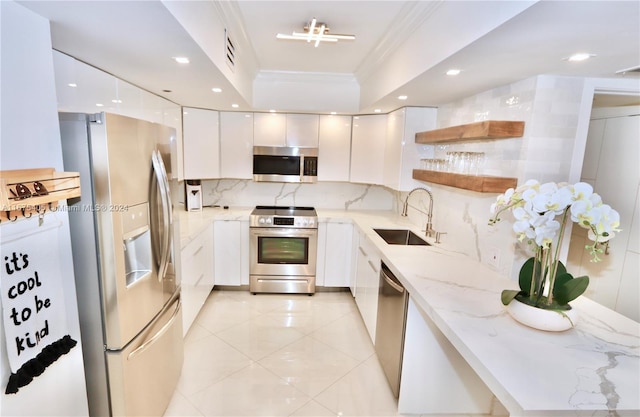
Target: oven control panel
274	221
284	217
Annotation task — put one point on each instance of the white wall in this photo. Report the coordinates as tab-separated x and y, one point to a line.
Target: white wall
612	147
30	138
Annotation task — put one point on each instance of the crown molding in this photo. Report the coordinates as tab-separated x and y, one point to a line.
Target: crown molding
305	76
411	17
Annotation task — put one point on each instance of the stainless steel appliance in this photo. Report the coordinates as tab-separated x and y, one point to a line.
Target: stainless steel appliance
193	193
285	164
121	234
283	249
393	299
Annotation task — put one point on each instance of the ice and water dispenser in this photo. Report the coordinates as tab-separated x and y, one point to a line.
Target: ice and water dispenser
137	243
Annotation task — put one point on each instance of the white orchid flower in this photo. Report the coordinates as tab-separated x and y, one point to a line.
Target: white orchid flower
607	224
584	213
582	191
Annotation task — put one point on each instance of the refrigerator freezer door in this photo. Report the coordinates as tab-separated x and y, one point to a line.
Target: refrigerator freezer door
144	375
122	150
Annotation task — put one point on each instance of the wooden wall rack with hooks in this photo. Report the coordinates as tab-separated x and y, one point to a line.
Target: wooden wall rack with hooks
25	192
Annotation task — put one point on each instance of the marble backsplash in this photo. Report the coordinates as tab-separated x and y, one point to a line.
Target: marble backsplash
327	195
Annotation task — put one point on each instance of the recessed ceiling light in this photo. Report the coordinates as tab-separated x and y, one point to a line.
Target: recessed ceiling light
334	113
235	106
72	85
377	110
453	71
272	111
99	104
216	90
181	59
579	57
116	101
402	97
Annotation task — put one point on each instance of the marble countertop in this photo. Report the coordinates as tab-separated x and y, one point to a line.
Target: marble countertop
592	369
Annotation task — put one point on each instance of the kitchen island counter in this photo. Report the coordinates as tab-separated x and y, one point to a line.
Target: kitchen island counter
591	370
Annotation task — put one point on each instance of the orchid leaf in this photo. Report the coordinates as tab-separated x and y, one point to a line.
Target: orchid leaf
561	269
524	279
508	295
561	279
571	289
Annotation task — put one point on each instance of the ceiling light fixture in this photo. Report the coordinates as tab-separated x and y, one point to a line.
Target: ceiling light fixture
181	59
235	106
216	90
315	31
72	85
453	71
402	97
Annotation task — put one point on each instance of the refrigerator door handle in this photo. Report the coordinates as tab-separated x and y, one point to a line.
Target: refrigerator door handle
162	185
159	334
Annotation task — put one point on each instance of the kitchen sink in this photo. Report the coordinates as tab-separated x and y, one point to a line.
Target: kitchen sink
401	237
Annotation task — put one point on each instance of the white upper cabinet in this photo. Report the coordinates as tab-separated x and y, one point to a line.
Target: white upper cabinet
277	129
236	145
201	143
269	129
402	154
368	149
334	144
302	130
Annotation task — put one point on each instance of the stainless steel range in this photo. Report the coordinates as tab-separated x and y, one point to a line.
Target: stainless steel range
283	249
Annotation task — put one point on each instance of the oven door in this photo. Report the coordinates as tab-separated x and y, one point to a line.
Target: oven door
283	251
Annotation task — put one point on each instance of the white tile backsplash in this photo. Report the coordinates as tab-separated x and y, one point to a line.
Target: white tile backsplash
549	106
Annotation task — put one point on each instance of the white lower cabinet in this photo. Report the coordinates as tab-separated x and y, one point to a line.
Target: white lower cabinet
367	283
436	379
196	266
334	255
227	235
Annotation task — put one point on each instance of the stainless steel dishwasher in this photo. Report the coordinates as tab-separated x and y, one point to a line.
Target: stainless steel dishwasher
393	299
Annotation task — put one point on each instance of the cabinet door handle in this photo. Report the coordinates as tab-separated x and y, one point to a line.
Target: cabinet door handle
373	266
362	251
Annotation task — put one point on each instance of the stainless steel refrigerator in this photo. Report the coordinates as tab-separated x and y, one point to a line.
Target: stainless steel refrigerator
121	232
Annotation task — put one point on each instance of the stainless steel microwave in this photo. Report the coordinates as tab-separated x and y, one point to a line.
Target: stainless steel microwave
285	164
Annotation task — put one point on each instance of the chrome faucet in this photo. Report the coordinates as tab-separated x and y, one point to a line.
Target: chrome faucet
429	228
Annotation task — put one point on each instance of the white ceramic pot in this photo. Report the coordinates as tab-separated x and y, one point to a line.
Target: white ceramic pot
541	319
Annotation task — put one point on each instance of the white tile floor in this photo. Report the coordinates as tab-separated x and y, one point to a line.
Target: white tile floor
280	355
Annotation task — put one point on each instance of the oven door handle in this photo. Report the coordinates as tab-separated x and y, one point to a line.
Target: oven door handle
282	232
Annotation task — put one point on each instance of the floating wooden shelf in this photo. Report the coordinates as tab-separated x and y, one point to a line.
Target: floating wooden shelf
489	129
480	184
33	191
